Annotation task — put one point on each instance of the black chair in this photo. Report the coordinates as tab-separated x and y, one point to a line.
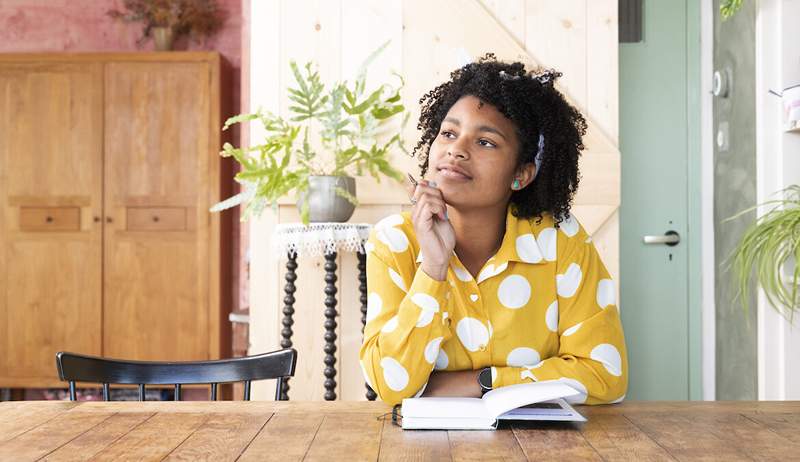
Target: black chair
80	368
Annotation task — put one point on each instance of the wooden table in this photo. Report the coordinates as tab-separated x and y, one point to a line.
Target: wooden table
351	431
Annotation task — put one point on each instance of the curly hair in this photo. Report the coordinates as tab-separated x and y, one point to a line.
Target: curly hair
536	107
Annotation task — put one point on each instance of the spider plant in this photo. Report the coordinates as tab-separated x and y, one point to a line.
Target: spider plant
771	247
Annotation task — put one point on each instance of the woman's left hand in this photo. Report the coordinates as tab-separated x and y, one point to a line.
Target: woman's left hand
453	383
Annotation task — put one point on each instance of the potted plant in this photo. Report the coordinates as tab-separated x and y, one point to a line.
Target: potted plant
348	122
771	247
166	20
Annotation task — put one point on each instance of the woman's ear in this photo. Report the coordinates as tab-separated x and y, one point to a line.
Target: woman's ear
525	175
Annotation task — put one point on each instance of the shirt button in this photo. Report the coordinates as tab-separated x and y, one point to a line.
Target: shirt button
482	347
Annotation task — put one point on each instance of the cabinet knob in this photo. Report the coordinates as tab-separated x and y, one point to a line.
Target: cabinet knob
109	220
155	218
97	219
49	219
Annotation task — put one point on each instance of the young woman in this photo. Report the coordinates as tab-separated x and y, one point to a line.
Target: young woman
489	281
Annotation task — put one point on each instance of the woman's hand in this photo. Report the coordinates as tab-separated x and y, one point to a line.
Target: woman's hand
435	234
453	383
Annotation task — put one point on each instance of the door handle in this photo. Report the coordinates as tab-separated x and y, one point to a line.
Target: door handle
670	238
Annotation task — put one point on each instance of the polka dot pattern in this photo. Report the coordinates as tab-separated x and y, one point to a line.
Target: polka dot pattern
551	317
374	306
528	250
547	243
462	274
522	356
514	292
432	350
394	374
572	330
579	387
426	302
395	239
608	354
606	293
490	271
397	279
472	333
425	318
441	361
569	226
390	325
568	282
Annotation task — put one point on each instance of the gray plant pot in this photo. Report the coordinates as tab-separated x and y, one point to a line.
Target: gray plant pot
163	38
325	204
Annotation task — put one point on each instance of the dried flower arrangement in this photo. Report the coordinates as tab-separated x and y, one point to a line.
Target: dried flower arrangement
195	18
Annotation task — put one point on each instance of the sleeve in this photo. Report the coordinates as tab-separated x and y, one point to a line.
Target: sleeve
592	356
405	328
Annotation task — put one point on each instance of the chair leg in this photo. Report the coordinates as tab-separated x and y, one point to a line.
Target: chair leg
71	390
213	392
141	392
247	390
278	388
106	392
177	392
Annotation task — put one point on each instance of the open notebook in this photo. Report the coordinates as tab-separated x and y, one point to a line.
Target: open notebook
527	401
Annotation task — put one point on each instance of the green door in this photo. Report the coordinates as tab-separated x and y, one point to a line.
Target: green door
659	122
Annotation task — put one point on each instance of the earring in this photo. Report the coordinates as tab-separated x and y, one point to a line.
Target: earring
515	185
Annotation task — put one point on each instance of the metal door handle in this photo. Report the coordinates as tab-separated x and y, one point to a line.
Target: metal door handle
670	238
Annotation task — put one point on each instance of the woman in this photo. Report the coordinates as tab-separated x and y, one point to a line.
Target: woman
489	281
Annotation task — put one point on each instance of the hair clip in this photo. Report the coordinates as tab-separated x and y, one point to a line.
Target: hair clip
506	76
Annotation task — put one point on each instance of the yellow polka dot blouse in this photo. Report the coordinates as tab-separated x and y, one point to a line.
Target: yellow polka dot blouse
542	308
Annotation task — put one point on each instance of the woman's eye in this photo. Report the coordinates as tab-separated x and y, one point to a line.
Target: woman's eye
445	133
490	143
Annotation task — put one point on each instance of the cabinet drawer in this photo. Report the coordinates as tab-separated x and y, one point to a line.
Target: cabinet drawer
50	218
156	219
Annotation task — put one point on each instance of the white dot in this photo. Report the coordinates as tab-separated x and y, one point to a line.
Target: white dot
425	301
547	243
570	225
527	374
608	354
572	329
536	366
425	318
551	317
462	274
369	247
606	294
514	292
366	376
568	282
394	374
421	390
389	221
523	356
494	375
397	279
394	238
390	325
491	331
374	306
441	360
618	400
473	297
432	349
472	333
490	270
527	249
578	386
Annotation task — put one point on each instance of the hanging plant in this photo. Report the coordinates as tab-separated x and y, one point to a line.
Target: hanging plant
771	247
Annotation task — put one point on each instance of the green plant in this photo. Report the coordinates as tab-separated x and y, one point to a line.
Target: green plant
728	8
767	246
197	18
348	122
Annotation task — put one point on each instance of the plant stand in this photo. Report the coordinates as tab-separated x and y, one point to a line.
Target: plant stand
327	239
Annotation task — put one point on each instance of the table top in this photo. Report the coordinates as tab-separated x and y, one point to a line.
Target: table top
285	431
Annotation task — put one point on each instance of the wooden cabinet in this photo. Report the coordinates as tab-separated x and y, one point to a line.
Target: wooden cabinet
108	165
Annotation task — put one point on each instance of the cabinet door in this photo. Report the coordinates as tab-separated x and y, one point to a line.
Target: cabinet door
156	290
51	128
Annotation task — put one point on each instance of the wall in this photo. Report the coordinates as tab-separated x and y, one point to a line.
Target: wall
83	26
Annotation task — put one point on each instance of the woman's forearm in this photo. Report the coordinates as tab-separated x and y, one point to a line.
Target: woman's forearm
453	383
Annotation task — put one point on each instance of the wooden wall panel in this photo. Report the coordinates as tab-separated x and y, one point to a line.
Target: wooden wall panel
578	37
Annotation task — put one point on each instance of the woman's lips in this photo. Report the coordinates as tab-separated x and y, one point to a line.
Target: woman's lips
453	175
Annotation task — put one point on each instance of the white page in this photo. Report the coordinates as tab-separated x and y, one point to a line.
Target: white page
504	399
564	412
450	408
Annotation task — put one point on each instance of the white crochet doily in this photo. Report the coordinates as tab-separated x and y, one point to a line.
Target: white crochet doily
318	239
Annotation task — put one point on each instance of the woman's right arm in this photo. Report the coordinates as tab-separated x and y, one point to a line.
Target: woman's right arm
407	322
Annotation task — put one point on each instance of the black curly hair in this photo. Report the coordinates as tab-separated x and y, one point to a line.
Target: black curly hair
536	107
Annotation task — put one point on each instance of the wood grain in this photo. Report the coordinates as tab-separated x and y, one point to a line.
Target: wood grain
288	431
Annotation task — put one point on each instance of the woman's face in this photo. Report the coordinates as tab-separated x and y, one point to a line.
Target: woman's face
473	158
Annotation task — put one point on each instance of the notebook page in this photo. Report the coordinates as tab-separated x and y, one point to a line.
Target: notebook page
504	399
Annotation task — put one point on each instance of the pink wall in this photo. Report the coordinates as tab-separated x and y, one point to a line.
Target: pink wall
82	25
